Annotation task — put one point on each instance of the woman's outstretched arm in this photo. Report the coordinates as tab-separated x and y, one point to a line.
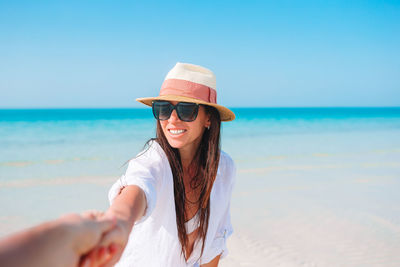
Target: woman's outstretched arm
128	207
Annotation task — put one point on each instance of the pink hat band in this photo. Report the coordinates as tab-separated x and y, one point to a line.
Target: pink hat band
188	89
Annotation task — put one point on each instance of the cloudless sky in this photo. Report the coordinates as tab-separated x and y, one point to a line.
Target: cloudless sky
264	53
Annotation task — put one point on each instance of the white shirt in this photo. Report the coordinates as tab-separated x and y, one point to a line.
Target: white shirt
154	238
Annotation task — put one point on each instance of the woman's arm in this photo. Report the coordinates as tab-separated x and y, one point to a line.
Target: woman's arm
213	263
128	207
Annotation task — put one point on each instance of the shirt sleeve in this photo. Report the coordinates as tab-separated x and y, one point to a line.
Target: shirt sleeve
225	229
144	171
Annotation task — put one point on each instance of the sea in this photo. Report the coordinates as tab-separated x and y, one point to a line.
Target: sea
289	160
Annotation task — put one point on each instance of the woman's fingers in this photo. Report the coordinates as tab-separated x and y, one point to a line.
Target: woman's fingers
108	255
115	241
112	239
99	256
116	255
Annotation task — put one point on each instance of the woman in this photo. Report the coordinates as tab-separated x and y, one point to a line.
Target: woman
173	201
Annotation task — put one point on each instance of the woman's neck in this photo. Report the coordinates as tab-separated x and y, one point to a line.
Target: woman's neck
187	155
186	159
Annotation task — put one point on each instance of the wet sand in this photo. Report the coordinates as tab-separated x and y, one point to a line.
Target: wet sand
344	212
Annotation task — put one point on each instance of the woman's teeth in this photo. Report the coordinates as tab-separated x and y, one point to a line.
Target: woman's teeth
177	131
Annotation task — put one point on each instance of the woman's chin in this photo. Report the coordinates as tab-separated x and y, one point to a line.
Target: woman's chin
175	144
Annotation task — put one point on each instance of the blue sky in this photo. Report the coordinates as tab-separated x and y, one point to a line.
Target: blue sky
264	53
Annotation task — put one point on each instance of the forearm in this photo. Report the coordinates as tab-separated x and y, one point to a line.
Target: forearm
129	206
31	247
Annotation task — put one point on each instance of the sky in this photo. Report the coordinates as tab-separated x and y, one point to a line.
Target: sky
70	54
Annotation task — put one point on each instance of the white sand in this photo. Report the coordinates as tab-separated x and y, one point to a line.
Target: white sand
323	240
346	214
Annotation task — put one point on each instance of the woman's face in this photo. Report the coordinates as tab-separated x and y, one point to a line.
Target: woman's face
185	135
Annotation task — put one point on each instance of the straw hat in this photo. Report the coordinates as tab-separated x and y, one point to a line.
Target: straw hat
190	83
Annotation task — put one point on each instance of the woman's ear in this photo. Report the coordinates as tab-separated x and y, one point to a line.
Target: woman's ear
208	120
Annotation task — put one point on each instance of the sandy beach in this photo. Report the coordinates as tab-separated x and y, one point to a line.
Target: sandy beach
341	213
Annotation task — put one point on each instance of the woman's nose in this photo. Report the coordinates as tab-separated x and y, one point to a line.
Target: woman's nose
173	117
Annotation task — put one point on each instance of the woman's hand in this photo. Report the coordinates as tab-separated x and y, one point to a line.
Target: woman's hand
119	235
112	244
84	233
99	254
128	207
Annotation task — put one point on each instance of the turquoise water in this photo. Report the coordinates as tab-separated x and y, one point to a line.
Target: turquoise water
47	143
57	160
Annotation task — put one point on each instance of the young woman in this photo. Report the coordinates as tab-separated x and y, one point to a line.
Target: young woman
172	205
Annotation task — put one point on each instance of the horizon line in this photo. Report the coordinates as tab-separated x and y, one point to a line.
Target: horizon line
234	107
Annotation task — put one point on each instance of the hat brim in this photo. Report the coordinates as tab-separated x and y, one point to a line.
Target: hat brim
225	113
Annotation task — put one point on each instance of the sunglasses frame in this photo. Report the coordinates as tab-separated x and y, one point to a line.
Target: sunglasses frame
175	107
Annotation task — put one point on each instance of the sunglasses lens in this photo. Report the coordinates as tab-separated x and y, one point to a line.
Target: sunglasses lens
187	111
162	110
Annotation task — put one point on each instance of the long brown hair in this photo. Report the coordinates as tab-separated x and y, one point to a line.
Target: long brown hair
205	164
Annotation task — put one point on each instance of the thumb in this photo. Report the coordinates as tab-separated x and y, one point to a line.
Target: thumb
106	224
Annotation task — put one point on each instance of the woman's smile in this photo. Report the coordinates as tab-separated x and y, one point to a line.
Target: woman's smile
176	132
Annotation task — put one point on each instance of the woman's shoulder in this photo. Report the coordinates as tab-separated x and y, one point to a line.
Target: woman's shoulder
226	160
150	155
152	149
227	167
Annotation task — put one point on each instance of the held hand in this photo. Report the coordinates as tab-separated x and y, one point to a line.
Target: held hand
128	207
77	236
119	235
87	231
110	247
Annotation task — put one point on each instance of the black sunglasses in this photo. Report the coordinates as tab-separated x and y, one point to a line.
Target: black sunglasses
186	111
